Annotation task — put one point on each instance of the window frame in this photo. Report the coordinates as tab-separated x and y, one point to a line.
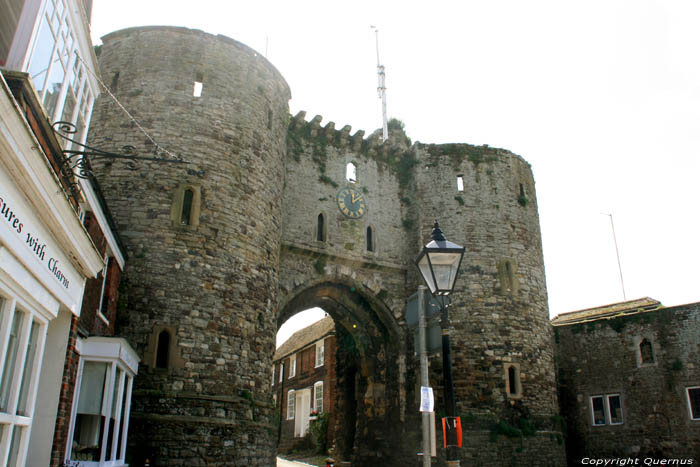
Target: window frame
11	421
76	83
607	418
292	366
105	272
291	404
320	352
281	372
690	407
121	360
317	385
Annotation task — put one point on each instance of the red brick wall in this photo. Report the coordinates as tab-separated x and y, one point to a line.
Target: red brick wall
65	401
307	375
89	323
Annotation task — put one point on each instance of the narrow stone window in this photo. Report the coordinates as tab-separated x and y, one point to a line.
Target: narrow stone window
370	239
514	388
115	81
163	349
321	228
460	182
186	206
198	85
522	190
351	172
646	352
186	215
269	119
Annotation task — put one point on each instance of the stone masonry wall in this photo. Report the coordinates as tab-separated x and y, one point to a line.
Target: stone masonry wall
250	258
213	280
603	357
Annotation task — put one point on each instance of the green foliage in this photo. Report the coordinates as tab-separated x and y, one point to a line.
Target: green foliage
382	294
320	265
364	190
319	432
460	200
406	200
327	180
677	365
405	168
395	124
522	200
407	224
525	429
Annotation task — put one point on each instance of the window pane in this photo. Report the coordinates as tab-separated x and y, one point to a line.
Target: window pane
318	396
89	422
69	106
28	366
122	419
598	410
41	58
10	359
615	407
694	401
53	88
113	415
15	441
92	388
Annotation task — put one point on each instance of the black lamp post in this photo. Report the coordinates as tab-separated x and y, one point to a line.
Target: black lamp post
439	265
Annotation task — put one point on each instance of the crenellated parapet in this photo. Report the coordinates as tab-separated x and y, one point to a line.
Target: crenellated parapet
303	133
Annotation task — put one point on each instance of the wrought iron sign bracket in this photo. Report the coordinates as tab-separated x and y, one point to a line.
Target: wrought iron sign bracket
76	160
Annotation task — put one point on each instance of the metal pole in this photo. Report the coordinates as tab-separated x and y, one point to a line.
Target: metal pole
423	372
450	407
617	252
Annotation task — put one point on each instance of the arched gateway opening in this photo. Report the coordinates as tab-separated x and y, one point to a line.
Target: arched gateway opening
362	367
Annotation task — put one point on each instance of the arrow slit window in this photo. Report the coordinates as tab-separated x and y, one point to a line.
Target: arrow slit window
321	228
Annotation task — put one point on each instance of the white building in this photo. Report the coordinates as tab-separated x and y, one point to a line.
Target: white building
47	255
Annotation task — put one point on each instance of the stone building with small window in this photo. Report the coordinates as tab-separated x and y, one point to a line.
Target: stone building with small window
304	381
629	380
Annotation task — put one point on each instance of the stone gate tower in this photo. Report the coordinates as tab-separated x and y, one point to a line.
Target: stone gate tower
256	227
203	239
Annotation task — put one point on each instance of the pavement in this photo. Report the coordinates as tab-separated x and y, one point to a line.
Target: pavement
285	463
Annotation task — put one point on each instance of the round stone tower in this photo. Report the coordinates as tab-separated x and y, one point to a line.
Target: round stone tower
501	339
203	238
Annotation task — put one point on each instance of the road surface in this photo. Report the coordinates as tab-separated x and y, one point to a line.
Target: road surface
285	463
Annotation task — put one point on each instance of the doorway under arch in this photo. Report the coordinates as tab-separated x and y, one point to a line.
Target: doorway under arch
367	363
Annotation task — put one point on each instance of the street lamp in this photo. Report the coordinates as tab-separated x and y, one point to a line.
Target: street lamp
439	264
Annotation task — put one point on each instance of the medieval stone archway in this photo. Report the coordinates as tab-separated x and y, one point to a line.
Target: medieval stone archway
367	366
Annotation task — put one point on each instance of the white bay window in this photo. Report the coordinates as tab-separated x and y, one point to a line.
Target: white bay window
101	406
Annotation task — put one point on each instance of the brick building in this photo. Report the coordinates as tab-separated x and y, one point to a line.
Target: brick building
629	380
304	381
65	388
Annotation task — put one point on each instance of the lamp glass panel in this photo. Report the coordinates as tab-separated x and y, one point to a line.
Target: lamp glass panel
424	268
445	268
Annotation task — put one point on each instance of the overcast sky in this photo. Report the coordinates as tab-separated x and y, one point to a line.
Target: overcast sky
601	97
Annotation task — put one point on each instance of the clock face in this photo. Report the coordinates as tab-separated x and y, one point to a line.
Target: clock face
351	203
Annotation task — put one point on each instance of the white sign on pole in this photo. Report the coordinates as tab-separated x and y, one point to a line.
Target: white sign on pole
427	403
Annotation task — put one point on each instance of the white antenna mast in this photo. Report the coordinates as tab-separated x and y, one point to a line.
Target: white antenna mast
619	266
381	88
